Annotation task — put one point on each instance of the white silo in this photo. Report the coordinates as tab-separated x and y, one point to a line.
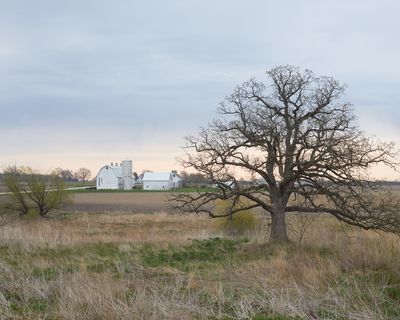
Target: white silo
127	178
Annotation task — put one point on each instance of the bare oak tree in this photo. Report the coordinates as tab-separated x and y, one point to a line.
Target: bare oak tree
297	138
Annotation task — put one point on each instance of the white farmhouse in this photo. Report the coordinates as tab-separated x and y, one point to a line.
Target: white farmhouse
115	176
161	180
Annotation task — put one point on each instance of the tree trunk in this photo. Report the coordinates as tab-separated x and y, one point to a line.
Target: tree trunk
278	227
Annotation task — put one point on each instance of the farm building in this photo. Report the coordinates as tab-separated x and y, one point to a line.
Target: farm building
116	176
161	181
177	181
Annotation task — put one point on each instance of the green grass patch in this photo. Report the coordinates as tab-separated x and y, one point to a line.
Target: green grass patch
200	254
21	305
109	258
106	258
51	273
36	305
393	293
326	252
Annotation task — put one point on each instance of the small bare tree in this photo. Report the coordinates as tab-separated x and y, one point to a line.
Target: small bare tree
83	174
297	138
32	190
13	181
65	174
300	223
47	193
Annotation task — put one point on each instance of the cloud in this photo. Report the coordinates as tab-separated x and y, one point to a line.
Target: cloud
92	75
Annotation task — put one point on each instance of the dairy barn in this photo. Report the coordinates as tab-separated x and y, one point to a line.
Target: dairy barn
116	176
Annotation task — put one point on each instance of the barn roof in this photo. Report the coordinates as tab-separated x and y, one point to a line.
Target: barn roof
156	176
117	170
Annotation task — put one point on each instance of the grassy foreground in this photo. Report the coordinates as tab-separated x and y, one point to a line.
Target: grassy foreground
162	266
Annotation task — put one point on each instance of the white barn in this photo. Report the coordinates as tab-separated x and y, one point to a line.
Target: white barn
116	176
157	181
177	181
161	181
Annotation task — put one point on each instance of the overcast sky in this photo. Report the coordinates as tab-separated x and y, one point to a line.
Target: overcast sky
84	83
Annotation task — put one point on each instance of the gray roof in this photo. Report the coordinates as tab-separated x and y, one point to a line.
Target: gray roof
117	170
157	176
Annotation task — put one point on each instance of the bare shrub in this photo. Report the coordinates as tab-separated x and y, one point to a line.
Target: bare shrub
240	224
300	222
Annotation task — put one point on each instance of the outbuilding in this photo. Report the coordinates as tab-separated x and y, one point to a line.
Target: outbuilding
158	181
177	181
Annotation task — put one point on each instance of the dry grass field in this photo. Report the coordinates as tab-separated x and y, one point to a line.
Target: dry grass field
170	266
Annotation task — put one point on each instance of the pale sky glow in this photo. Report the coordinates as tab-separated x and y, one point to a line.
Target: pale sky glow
84	83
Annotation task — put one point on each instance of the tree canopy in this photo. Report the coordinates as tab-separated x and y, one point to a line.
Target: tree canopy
298	139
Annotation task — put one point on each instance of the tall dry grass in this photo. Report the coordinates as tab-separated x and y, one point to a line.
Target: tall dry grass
92	267
116	228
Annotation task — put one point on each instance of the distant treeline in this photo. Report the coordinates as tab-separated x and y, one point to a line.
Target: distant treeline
81	175
190	179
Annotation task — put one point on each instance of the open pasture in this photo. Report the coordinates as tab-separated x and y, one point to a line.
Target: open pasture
170	266
127	255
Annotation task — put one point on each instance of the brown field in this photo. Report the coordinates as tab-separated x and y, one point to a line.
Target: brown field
137	202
